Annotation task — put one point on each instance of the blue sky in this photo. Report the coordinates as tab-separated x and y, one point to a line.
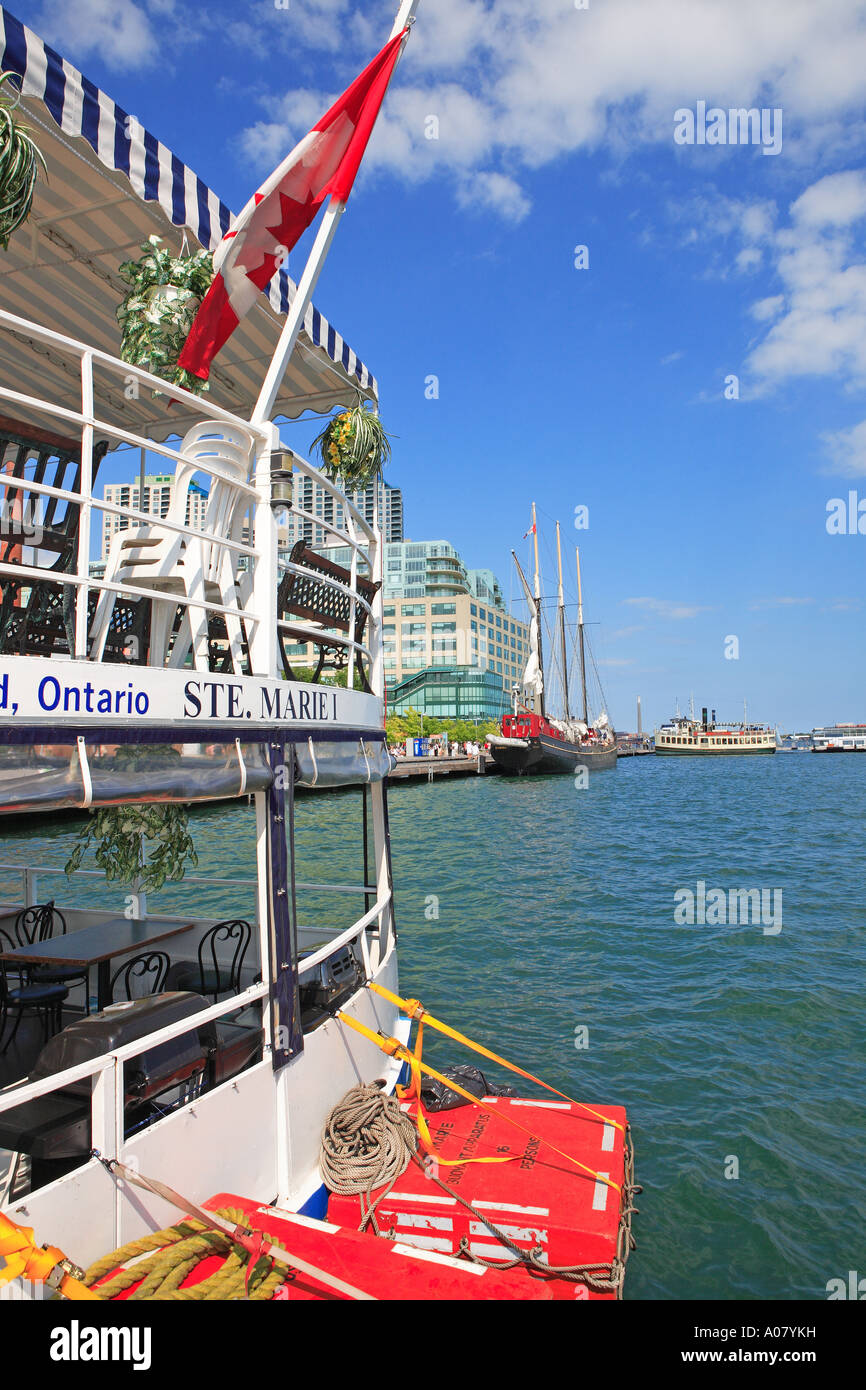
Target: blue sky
601	387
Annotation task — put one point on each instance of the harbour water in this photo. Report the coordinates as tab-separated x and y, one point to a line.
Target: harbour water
539	917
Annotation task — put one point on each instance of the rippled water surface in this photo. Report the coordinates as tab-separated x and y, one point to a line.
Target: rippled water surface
556	912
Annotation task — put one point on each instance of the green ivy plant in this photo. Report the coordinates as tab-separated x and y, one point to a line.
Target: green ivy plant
157	313
20	162
148	843
353	446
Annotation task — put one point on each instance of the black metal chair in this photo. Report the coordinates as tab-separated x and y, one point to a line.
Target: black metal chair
37	923
19	992
214	976
142	975
37	616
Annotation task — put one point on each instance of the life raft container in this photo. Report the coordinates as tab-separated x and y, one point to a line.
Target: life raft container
572	1227
382	1269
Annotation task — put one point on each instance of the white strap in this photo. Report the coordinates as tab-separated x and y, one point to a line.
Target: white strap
85	770
243	768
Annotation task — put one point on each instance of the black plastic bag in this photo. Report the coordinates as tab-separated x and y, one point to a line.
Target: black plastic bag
437	1096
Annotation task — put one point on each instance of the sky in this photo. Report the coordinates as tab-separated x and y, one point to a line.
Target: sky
634	327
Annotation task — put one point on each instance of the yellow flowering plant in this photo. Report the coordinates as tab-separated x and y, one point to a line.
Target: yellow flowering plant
353	446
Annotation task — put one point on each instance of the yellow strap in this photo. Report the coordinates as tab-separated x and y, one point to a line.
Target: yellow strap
416	1010
396	1049
27	1260
416	1065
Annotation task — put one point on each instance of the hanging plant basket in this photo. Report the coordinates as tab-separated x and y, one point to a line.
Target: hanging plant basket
353	446
157	313
148	843
20	162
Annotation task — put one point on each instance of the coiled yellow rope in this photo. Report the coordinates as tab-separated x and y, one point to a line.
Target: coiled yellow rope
176	1252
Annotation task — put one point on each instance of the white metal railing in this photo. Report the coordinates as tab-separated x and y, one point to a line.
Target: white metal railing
30	874
326	526
108	1097
254	494
108	1093
358	929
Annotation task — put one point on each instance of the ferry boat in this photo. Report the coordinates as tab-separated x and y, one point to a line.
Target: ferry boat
185	1099
839	738
705	737
531	740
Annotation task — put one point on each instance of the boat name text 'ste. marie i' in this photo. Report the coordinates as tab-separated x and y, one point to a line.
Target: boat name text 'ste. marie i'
29	694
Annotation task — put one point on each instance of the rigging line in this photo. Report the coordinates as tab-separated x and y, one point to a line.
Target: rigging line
601	690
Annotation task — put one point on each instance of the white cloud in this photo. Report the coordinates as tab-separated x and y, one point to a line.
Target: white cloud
543	80
847	450
834	201
496	191
750	258
819	321
765	309
119	31
759	604
667	608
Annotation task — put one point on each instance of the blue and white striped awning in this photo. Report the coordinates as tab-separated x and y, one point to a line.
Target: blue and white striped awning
92	221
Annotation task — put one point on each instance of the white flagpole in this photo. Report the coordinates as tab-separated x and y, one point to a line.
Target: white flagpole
307	283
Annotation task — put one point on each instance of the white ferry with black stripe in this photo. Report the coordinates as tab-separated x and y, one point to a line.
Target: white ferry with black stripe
707	738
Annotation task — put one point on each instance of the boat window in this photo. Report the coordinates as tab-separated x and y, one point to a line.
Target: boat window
335	885
49	777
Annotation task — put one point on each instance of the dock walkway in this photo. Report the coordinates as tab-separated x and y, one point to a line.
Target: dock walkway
426	769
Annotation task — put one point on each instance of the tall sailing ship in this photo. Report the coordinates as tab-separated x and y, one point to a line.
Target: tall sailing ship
532	739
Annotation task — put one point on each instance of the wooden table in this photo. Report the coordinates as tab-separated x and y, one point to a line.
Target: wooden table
97	945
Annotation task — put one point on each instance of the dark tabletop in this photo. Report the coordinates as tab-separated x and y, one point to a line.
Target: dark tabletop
100	942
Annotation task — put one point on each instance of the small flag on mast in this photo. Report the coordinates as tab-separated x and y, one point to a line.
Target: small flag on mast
323	165
530	532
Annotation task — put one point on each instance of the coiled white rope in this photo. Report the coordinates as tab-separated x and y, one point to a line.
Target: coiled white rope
367	1142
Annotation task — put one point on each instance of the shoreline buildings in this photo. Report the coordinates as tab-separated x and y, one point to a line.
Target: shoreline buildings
452	648
158	498
377	502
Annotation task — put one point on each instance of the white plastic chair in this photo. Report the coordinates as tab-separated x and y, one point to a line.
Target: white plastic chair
181	565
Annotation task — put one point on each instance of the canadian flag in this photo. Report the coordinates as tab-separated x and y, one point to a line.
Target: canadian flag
530	532
322	165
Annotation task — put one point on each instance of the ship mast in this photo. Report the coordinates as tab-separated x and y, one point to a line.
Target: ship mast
537	587
534	601
562	628
585	716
